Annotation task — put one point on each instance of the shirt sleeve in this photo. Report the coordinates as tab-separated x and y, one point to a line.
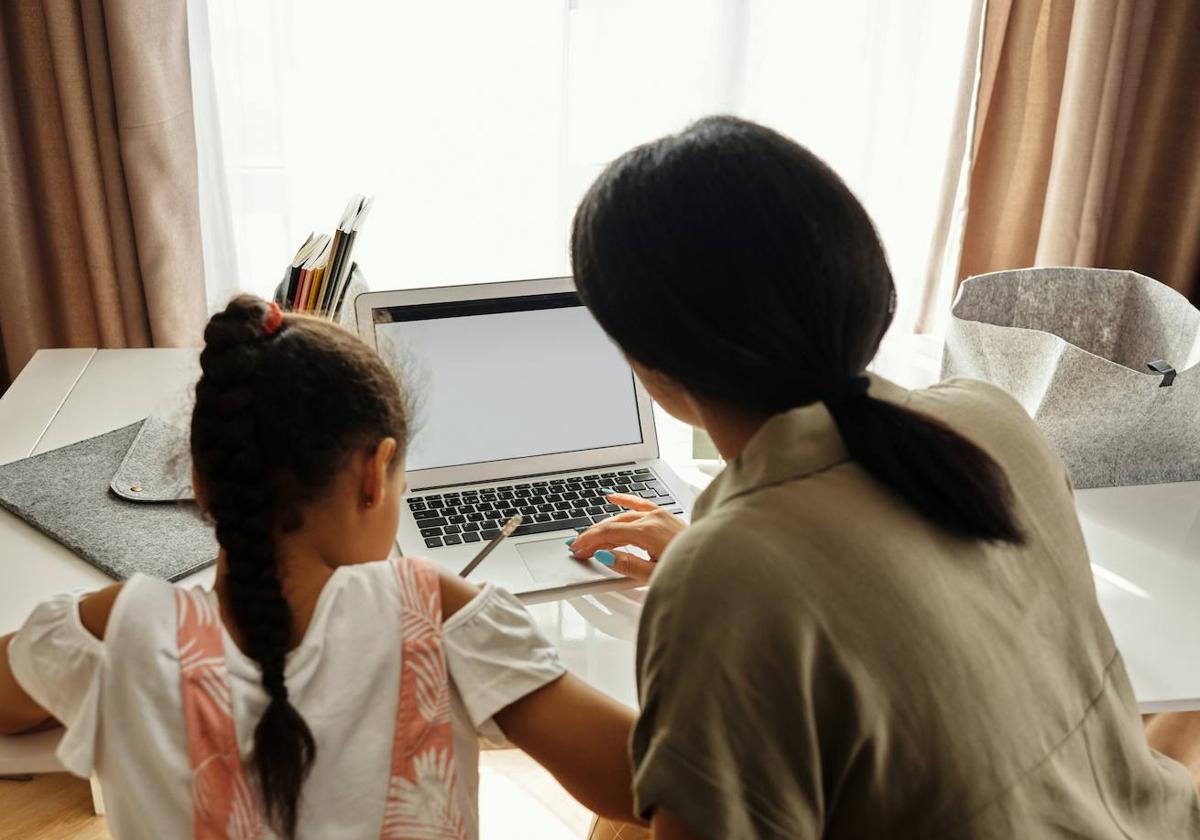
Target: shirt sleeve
61	666
726	739
496	655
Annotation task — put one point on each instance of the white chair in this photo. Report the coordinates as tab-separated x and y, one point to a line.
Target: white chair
25	755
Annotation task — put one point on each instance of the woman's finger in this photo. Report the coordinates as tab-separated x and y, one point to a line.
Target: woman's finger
629	502
624	563
609	534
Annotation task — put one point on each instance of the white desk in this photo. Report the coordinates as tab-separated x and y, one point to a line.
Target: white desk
1145	541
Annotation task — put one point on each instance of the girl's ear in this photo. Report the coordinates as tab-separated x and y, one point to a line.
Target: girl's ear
376	472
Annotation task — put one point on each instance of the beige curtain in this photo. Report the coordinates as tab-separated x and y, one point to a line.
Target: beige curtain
99	221
1087	139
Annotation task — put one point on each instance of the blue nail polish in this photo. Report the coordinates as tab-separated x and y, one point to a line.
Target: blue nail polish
605	557
570	540
606	491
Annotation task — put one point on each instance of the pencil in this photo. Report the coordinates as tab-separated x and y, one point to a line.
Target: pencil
509	526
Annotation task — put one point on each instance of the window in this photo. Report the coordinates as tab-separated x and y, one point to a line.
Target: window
478	124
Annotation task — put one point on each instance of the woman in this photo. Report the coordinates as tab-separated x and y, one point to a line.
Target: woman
882	621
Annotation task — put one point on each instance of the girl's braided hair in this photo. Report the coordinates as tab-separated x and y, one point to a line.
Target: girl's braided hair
280	406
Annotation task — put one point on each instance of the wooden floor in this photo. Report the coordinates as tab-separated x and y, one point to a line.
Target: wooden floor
517	800
50	807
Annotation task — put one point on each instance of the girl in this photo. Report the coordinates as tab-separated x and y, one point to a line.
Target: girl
318	690
890	589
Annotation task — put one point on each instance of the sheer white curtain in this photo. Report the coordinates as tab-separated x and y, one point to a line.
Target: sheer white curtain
478	124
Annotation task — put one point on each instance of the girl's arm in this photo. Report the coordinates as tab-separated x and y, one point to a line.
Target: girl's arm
18	711
577	733
581	737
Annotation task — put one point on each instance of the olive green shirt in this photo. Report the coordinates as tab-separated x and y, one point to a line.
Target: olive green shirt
816	659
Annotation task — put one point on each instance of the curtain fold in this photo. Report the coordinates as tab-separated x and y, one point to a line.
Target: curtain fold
1086	139
99	225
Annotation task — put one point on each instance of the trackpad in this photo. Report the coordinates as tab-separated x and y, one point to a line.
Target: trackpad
549	563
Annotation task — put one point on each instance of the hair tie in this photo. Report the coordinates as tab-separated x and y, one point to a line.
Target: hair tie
848	391
272	319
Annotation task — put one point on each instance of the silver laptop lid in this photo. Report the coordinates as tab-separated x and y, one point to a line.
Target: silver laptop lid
513	379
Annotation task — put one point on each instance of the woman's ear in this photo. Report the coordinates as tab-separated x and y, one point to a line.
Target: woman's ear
376	472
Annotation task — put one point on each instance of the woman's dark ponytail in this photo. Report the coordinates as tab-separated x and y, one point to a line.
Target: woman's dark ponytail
737	263
942	474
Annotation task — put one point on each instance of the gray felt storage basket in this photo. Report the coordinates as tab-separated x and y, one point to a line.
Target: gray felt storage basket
1105	361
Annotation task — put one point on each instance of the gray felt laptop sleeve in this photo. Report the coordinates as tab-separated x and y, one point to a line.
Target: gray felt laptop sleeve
121	501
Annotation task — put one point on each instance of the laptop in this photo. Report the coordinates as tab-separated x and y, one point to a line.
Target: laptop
524	405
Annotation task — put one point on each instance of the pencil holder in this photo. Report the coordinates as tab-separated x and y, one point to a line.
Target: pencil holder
345	315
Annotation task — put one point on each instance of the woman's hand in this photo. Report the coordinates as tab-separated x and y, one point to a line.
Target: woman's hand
643	524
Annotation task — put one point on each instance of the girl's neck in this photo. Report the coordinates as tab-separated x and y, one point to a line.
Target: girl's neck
302	576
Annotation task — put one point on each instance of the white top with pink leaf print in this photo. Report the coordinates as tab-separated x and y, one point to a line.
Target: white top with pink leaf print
121	701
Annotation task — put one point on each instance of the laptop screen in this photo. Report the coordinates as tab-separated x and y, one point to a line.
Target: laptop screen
508	378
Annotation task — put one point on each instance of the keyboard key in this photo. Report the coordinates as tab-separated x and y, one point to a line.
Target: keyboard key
642	471
425	514
471	526
453	529
431	532
505	495
665	501
433	542
545	508
558	481
465	508
612	509
432	523
470	536
599	518
553	497
578	512
637	486
561	514
625	472
542	517
563	505
647	494
522	486
453	540
457	519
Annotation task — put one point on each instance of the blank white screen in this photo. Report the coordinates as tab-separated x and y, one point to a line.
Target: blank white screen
512	385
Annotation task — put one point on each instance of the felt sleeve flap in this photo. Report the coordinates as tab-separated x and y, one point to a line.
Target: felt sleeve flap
157	467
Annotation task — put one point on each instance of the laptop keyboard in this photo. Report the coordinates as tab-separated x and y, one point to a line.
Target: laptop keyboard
474	515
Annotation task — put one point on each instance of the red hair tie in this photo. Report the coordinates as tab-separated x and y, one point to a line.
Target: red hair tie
273	319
